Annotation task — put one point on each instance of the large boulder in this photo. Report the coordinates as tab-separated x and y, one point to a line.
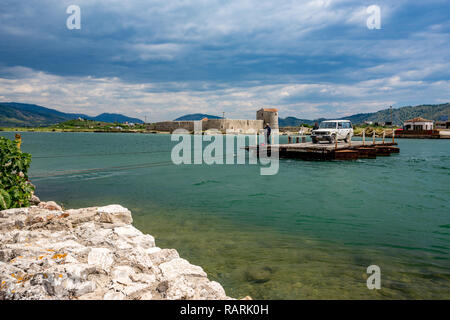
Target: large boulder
91	253
115	214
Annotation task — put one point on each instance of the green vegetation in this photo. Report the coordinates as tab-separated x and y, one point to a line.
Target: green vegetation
13	114
306	128
91	125
305	125
293	122
357	130
83	126
399	115
15	190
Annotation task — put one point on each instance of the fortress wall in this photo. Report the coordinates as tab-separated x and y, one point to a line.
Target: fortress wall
243	126
237	126
169	126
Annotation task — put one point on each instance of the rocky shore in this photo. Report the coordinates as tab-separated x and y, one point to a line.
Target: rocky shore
92	253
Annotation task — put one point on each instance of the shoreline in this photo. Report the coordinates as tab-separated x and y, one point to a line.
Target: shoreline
444	136
94	253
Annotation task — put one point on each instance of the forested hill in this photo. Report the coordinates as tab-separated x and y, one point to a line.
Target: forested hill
399	115
13	114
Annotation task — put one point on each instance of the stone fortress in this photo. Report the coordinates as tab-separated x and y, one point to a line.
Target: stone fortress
264	115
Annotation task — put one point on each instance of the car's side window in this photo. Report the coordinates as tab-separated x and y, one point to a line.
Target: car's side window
339	125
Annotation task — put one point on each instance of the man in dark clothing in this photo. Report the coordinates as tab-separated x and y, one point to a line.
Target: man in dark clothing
268	131
316	126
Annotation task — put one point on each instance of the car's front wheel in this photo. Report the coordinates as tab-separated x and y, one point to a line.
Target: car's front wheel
333	138
347	138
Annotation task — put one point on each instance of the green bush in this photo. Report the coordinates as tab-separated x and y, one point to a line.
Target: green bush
15	190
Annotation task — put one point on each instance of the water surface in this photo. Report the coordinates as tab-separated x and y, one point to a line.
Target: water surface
308	232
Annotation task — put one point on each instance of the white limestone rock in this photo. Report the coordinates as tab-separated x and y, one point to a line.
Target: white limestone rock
79	271
69	245
95	236
144	278
114	295
145	241
81	216
164	255
115	214
50	205
180	289
13	212
127	231
81	288
146	296
132	291
101	257
121	274
180	267
152	250
137	258
122	244
214	289
91	253
34	200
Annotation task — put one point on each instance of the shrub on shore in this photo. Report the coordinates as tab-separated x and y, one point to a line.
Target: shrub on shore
15	190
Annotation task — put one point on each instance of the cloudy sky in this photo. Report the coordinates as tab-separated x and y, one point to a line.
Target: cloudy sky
166	58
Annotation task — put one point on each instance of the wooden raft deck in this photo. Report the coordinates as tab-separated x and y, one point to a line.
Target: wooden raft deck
325	151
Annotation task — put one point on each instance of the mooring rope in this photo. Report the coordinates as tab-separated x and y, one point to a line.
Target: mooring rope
113	168
97	154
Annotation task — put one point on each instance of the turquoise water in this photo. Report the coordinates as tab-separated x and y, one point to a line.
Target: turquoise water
308	232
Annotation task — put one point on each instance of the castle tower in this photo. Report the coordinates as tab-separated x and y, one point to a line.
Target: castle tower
270	116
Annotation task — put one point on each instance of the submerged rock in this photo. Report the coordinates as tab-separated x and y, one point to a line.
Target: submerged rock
92	253
258	274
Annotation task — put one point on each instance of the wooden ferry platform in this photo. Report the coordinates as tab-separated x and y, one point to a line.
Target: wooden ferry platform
325	151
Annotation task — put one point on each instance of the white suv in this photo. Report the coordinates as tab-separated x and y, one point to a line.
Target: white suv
331	130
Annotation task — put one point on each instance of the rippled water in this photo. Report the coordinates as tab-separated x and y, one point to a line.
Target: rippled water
308	232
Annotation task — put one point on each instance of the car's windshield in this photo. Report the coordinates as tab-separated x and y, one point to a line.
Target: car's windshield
327	125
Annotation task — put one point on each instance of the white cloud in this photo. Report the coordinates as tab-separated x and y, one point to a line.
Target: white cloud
92	96
310	58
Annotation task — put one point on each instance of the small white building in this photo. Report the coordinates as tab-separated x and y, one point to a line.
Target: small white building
418	124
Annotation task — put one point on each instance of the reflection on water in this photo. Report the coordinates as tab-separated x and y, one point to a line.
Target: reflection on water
308	232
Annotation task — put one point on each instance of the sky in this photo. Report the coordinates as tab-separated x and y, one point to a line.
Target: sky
160	59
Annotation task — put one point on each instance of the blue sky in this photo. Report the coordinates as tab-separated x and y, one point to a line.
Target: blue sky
163	59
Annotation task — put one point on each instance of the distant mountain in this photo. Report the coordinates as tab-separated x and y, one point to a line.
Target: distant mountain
294	122
114	117
14	114
399	115
196	116
20	114
429	111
